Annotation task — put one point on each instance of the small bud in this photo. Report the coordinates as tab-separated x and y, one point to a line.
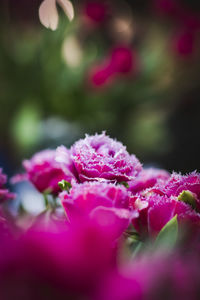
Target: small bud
65	185
188	197
124	183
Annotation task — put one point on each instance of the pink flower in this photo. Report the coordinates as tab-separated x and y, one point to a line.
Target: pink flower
55	262
184	42
178	183
122	61
147	178
100	158
96	11
44	172
107	203
151	277
4	193
179	195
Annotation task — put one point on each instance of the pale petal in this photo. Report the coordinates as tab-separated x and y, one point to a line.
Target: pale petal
48	14
67	7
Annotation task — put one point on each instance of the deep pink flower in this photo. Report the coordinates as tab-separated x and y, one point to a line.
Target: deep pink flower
4	193
107	203
171	8
179	195
44	172
55	262
96	11
178	183
147	178
151	277
121	61
100	158
184	42
102	75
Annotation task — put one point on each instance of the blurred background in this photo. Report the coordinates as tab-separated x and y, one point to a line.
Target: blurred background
131	68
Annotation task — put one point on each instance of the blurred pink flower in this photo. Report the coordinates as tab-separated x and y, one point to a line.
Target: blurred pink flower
122	61
152	277
184	43
4	193
44	172
96	11
100	158
55	262
48	13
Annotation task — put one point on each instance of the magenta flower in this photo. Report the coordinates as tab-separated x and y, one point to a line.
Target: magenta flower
151	277
122	61
55	262
179	195
4	193
100	158
147	178
44	172
184	42
96	11
178	183
107	203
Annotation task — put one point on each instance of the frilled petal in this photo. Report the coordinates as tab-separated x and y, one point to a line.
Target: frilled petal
101	158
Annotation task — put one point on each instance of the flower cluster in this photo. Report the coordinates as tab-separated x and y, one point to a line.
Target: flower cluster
113	207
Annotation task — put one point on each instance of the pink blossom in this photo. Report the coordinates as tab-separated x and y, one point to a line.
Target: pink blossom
178	183
107	203
147	178
44	172
151	277
100	158
55	262
179	195
183	42
4	193
122	61
96	11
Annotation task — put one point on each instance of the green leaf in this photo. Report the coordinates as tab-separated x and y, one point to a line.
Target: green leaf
167	237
